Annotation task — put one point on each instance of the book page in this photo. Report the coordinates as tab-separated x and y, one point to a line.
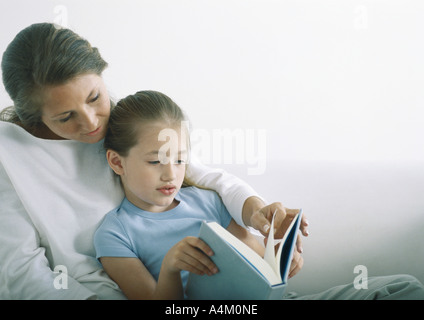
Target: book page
248	254
287	246
270	248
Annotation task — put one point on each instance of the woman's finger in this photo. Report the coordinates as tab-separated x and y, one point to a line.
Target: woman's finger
296	264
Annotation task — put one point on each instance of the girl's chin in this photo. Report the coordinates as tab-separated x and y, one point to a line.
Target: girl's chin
165	205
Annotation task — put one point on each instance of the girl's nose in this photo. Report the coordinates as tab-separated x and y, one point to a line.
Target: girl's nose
168	172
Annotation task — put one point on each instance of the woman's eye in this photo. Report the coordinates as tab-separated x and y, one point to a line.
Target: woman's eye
180	162
154	162
95	98
66	119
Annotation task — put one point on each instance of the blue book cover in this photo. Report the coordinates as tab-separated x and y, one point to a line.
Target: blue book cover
243	274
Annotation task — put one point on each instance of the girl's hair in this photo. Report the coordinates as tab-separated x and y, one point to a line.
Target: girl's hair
129	115
43	54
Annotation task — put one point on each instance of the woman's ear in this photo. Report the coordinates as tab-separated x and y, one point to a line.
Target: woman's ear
114	160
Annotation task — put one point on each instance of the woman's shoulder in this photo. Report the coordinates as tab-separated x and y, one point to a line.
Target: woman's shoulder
41	133
15	138
9	128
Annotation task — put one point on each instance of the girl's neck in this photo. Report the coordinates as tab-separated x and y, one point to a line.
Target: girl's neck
154	208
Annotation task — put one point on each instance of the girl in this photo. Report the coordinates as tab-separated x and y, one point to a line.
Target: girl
148	244
147	241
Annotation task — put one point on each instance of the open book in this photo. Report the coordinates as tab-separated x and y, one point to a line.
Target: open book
243	274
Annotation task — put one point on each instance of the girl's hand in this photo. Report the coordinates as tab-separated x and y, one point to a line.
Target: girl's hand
190	254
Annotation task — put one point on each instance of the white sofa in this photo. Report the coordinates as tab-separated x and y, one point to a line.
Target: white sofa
360	213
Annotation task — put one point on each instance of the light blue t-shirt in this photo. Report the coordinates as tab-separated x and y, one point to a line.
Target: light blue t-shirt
128	231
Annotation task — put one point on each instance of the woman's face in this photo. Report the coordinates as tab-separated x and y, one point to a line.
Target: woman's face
77	110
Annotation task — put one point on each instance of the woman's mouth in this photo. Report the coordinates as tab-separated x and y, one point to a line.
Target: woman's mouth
167	190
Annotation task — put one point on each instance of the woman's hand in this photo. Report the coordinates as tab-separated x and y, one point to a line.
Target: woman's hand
296	263
283	218
259	216
190	254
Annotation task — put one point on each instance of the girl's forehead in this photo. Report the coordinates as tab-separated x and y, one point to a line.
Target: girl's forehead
158	133
153	129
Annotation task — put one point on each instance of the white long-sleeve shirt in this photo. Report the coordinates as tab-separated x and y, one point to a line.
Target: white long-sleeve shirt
53	196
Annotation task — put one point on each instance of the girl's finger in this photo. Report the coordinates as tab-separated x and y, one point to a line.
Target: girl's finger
200	253
200	244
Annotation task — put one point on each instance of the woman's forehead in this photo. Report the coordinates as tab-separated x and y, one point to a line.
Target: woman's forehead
77	90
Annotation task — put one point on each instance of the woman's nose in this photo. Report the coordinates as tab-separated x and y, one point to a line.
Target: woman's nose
90	120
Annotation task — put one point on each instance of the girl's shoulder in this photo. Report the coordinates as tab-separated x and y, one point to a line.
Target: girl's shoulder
196	190
203	195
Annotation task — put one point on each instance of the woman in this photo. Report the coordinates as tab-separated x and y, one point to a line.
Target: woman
56	185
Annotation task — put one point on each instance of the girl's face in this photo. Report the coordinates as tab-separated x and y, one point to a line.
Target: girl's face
153	171
77	110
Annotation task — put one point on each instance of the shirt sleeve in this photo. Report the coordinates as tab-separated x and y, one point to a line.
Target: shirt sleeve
24	269
111	239
233	191
224	217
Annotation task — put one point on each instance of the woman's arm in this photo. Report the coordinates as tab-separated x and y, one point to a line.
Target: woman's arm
233	191
244	204
245	236
24	269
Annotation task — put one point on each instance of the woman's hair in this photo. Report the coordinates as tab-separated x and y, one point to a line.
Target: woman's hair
43	54
131	113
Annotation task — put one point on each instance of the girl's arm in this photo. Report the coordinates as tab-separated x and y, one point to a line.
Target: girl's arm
132	277
245	236
136	281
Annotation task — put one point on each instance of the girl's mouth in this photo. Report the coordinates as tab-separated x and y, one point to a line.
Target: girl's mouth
167	190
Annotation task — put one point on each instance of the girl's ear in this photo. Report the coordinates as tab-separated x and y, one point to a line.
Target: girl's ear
114	160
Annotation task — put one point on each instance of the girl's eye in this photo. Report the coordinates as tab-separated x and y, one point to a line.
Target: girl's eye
158	162
154	162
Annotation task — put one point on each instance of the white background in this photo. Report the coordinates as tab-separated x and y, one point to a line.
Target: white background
327	80
337	86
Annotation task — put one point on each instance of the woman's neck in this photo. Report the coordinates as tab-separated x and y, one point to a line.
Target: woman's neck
42	132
